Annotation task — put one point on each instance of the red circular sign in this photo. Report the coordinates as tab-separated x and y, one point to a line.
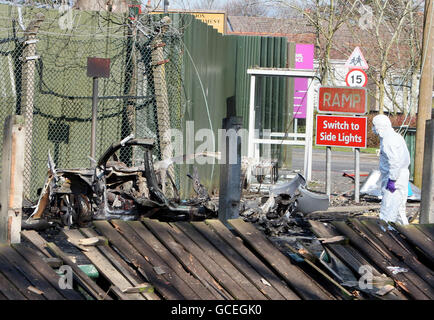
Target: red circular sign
356	78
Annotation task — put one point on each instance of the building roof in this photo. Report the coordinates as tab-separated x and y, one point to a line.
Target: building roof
299	30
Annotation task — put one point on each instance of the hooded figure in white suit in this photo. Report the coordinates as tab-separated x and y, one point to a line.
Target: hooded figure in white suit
394	162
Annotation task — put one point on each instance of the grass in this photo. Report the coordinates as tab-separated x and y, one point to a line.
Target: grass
343	149
362	150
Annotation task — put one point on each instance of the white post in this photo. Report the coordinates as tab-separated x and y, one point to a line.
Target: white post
356	175
251	147
309	132
329	171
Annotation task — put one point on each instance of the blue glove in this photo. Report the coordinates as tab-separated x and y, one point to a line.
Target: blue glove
391	186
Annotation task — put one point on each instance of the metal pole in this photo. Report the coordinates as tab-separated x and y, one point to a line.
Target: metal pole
230	173
94	117
427	201
328	170
295	128
357	175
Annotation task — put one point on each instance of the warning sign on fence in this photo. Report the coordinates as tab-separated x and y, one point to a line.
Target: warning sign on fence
341	131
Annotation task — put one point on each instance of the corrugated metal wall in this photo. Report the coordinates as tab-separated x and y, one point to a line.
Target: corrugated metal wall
209	79
215	68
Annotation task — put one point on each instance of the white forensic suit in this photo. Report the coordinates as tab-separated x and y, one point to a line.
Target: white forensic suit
394	162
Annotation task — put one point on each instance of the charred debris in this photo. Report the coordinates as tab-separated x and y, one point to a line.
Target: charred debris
112	190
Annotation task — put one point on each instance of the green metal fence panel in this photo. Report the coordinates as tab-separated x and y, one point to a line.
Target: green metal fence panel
410	140
204	68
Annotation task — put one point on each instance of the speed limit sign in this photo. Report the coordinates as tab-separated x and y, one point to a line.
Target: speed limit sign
356	78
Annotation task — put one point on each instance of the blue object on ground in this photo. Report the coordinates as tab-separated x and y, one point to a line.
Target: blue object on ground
410	192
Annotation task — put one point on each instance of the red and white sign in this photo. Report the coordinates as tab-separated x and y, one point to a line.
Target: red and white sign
356	60
356	78
342	100
341	131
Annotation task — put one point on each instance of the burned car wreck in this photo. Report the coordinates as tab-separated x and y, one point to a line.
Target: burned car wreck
112	190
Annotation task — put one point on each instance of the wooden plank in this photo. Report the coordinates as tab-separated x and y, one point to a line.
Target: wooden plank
87	282
192	265
382	262
127	271
145	250
8	289
2	297
18	279
345	253
224	279
407	257
301	283
30	273
105	268
221	260
427	229
46	271
171	261
386	253
39	242
238	261
188	259
418	239
370	238
237	244
350	256
166	289
336	287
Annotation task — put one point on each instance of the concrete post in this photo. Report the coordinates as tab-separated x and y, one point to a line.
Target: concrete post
162	101
11	189
230	169
427	201
28	89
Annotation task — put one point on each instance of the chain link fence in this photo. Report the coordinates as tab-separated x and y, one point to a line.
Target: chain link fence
43	76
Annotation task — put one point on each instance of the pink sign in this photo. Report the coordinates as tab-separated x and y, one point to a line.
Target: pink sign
303	60
304	56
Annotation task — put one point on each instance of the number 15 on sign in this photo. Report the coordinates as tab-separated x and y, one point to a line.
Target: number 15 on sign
356	78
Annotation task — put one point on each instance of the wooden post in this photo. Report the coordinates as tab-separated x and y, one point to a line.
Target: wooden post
425	91
11	189
28	89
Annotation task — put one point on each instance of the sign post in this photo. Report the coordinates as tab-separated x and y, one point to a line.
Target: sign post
342	131
329	170
96	68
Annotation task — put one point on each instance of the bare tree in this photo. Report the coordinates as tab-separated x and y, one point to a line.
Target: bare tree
251	8
327	17
392	42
